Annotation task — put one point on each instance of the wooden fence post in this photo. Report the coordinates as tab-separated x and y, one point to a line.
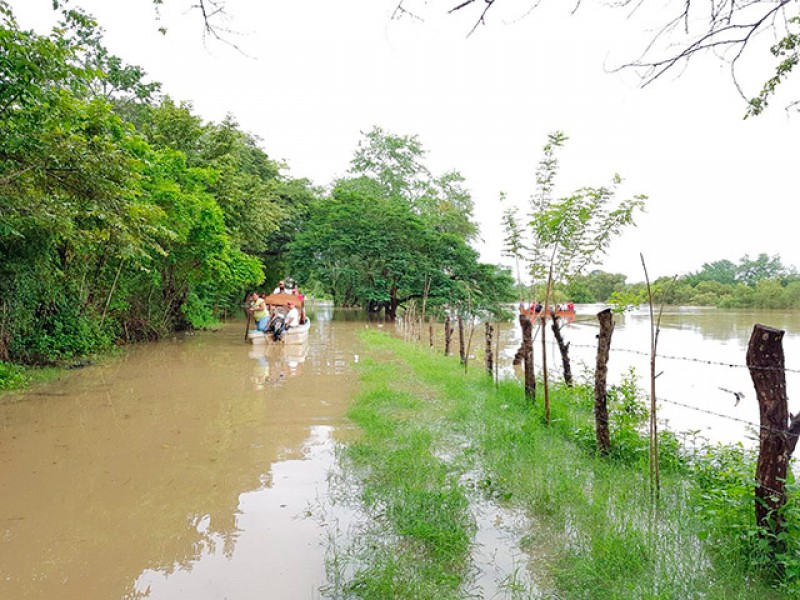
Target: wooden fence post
779	430
600	376
430	332
488	357
448	333
527	357
563	348
461	347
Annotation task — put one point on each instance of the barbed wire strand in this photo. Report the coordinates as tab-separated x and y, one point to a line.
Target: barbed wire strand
692	359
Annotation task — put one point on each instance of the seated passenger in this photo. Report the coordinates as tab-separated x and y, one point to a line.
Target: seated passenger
292	317
281	289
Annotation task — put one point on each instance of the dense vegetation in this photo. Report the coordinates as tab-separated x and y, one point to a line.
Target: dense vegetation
440	446
124	216
393	233
761	282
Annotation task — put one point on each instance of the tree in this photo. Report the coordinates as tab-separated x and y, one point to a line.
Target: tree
513	239
721	271
751	271
397	164
572	232
596	286
726	29
109	228
370	250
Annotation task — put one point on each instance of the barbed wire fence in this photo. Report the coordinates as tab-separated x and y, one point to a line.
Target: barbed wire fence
690	440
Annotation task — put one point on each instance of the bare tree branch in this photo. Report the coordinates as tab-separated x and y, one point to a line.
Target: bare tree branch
726	28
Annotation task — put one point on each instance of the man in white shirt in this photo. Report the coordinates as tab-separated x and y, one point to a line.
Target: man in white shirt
292	317
281	289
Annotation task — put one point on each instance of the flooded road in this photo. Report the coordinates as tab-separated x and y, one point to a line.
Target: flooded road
182	469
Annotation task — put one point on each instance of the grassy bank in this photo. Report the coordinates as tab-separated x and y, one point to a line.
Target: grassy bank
435	441
16	377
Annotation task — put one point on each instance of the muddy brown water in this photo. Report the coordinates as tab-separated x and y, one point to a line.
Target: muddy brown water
194	467
181	469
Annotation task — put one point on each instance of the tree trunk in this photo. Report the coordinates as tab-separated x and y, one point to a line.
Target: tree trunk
488	357
779	431
430	333
563	348
461	345
527	357
545	385
600	376
448	334
391	306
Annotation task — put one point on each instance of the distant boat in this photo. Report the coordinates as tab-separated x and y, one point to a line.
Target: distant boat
568	315
293	335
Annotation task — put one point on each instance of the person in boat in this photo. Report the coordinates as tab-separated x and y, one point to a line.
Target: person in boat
538	307
281	289
292	317
570	307
277	325
301	302
258	308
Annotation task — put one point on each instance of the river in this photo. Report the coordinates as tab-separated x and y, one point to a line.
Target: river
701	363
192	467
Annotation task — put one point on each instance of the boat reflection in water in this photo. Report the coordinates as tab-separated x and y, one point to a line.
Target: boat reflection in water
273	363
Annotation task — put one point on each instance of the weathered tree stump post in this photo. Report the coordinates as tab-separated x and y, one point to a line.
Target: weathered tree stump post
563	348
448	334
527	357
520	355
600	376
779	430
488	356
461	346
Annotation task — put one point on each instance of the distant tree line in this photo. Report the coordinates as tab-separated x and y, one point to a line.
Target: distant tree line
124	216
760	282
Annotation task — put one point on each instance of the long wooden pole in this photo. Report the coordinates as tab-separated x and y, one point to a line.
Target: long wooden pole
247	326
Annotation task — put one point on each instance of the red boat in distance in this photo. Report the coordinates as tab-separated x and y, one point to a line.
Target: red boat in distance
567	314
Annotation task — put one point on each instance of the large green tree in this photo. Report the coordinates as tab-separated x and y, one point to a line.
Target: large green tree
121	216
397	164
367	249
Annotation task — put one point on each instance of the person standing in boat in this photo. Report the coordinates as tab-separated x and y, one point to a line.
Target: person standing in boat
281	289
258	308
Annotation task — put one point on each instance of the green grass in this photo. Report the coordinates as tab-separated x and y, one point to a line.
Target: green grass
596	532
16	377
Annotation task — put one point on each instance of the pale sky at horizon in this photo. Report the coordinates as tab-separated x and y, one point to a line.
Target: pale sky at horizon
318	73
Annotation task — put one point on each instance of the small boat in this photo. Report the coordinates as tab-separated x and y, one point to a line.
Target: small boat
568	315
293	335
297	335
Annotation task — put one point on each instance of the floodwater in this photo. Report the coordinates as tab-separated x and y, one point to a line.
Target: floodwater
701	364
182	469
196	467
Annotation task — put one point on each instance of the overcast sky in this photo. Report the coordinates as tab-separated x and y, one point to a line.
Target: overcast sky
316	73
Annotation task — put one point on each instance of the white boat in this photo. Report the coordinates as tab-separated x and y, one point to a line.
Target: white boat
292	336
297	335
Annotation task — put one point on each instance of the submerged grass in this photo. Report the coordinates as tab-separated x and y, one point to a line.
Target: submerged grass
428	428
